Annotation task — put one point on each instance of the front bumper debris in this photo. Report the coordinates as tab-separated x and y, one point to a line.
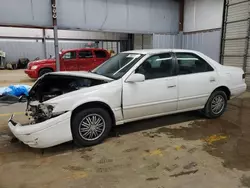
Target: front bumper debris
46	134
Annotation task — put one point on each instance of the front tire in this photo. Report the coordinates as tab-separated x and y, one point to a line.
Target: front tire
91	126
44	71
216	104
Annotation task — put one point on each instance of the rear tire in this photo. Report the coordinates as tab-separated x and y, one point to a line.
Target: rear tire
91	126
44	71
216	104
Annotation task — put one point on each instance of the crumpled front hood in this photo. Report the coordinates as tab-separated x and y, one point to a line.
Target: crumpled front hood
83	74
62	84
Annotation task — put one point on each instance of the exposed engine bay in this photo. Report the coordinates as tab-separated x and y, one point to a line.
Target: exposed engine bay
51	86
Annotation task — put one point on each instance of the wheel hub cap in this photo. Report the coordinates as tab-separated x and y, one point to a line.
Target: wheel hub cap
92	127
218	104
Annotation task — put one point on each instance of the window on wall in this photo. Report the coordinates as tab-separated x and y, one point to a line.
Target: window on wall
100	54
85	54
70	55
157	66
189	63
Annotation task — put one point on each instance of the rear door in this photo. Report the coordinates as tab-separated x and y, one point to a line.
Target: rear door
101	56
196	81
86	60
69	61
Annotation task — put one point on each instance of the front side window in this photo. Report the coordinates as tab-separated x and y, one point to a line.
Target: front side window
118	65
85	54
157	66
100	54
69	55
190	63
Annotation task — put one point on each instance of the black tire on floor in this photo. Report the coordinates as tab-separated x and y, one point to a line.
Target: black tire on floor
77	122
44	71
208	107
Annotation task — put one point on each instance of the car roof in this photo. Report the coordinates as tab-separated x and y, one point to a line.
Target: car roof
77	49
155	51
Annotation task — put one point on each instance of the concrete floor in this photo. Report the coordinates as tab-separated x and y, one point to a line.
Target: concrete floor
178	151
8	77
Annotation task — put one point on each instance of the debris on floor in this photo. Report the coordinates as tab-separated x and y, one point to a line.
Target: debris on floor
184	173
15	90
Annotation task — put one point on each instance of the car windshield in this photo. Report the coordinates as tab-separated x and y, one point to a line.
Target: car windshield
118	65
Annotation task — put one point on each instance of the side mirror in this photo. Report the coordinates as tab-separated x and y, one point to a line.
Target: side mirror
136	78
22	98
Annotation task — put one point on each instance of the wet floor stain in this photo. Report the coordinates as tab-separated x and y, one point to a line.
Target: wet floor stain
214	138
227	137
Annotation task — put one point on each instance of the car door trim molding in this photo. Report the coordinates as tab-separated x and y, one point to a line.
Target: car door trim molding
194	97
149	104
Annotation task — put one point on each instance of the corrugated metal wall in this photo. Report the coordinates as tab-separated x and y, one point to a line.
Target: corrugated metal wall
31	49
166	41
207	42
143	41
235	46
16	49
27	43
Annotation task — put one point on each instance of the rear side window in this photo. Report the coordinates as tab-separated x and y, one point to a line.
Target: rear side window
190	63
100	54
85	54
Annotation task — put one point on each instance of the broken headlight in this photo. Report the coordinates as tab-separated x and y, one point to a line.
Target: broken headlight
46	109
40	112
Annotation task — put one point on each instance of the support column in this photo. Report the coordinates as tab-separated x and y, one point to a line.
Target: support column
54	18
44	44
181	22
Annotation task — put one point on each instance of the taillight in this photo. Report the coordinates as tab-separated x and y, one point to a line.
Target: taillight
243	76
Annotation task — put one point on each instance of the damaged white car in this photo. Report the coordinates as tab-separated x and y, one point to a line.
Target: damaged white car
133	85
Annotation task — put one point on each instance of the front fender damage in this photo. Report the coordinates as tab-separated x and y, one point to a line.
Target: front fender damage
51	86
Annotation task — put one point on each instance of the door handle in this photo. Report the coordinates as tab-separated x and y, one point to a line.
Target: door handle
212	79
172	86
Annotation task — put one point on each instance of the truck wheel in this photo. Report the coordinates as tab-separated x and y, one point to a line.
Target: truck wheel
91	126
44	71
216	104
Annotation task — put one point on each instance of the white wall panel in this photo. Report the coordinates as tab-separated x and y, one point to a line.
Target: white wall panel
202	14
87	35
28	32
20	32
144	16
25	12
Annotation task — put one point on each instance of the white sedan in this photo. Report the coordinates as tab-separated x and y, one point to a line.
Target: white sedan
131	86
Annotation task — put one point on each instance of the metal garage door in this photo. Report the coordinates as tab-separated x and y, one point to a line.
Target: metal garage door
142	41
235	44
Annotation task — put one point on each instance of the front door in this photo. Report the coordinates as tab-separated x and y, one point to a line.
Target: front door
69	61
157	95
196	81
86	60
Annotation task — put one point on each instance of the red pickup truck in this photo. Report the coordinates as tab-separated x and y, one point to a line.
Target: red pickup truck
84	59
